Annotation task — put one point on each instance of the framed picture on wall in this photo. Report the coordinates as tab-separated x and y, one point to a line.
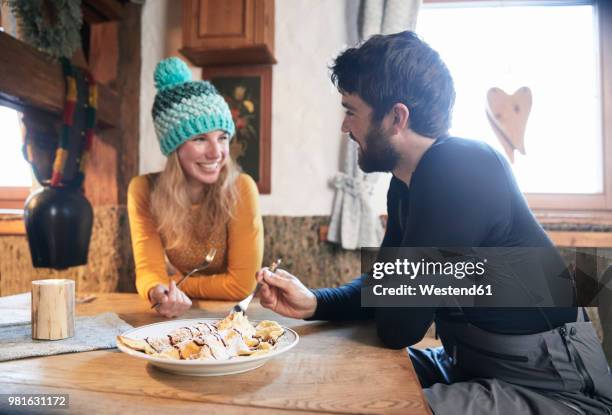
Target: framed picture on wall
248	92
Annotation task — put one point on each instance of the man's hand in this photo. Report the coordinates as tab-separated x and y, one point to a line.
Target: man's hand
284	294
172	301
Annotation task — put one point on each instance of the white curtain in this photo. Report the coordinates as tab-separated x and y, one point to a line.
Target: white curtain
354	223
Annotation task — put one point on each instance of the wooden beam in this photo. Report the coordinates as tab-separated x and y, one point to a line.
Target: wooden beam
28	77
128	85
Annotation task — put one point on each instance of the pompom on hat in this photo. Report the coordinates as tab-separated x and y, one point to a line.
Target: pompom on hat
184	108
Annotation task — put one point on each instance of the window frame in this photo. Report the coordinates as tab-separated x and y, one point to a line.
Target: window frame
13	197
12	201
594	205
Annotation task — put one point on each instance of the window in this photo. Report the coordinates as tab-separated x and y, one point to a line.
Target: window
15	172
559	49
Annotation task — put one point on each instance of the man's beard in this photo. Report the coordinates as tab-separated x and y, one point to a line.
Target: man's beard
377	155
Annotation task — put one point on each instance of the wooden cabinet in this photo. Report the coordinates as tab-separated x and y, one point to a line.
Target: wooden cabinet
228	32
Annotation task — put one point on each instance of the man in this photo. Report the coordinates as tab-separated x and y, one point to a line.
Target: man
450	192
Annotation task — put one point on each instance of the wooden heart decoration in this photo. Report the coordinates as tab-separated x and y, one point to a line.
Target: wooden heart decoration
508	116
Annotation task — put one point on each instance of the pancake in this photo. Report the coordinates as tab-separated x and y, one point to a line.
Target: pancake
228	338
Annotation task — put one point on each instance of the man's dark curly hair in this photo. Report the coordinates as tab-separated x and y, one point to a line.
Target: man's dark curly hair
388	69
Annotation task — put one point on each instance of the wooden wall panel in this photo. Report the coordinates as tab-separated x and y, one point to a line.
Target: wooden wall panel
128	85
101	187
104	52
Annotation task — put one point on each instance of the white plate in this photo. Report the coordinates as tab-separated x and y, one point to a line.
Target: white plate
203	367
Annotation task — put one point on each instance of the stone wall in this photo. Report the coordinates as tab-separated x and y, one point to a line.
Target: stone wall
296	241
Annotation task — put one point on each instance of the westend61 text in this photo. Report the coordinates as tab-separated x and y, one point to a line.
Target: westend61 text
480	290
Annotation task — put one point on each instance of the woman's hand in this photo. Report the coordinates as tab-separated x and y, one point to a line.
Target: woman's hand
172	301
285	294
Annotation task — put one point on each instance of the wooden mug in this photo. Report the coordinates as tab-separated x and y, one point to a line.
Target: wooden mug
52	309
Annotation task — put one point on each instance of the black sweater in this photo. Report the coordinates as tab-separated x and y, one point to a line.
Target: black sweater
462	194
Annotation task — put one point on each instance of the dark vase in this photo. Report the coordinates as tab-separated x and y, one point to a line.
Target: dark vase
58	222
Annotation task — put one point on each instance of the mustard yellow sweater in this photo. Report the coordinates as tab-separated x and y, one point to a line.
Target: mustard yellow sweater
231	276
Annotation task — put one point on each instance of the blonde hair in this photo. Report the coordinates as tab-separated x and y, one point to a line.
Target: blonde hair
172	208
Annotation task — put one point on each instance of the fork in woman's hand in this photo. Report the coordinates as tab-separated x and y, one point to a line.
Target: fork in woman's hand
207	261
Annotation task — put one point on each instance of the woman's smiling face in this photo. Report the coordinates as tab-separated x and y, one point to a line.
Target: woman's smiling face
204	155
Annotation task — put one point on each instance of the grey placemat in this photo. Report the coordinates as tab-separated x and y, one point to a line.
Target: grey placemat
10	317
90	333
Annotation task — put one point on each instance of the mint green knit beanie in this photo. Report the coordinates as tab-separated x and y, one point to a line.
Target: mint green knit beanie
184	108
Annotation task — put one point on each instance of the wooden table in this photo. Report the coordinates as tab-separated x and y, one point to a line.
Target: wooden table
335	368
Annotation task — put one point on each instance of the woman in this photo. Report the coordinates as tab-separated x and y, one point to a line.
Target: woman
198	202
